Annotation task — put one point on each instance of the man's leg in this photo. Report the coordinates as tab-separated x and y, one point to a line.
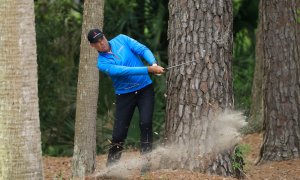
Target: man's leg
146	107
125	105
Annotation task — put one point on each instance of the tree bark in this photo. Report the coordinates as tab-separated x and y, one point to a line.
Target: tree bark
84	157
20	137
197	93
281	46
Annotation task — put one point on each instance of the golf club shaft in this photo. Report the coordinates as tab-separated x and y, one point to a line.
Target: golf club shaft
168	68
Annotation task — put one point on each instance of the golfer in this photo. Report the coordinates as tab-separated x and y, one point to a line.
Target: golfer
120	58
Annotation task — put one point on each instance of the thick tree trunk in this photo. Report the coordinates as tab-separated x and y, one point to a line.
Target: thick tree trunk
198	92
84	157
256	111
20	137
281	48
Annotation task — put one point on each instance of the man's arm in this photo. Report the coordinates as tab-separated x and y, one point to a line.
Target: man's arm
140	49
117	70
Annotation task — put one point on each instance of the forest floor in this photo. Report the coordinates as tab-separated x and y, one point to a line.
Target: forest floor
60	167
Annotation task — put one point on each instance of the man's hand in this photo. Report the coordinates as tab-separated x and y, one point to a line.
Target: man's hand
155	69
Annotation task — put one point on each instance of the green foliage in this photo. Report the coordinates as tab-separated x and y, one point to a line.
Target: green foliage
160	106
298	15
119	17
239	155
59	176
245	23
146	21
58	28
106	107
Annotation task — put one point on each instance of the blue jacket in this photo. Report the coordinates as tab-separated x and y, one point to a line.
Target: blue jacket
124	66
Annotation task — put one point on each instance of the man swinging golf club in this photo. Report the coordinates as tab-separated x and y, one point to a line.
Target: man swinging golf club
120	59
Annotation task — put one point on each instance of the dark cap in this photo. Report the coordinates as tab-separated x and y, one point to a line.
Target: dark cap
94	35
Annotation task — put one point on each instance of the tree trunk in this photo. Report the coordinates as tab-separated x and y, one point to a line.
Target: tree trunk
197	93
20	137
84	157
281	46
256	110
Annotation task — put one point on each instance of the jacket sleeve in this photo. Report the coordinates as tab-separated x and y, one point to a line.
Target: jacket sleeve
140	49
117	70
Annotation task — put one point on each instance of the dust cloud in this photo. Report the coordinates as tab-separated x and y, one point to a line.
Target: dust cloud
222	134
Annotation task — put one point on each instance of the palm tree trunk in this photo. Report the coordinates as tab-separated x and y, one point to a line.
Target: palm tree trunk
84	157
20	137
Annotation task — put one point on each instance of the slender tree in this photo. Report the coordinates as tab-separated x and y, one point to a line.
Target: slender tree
281	47
84	161
256	111
196	93
20	137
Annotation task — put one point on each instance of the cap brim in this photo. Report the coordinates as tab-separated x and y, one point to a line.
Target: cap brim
96	38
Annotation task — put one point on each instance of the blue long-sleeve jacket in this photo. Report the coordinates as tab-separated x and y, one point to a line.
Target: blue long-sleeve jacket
124	66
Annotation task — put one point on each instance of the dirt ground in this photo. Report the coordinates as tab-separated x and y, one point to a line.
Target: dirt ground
60	167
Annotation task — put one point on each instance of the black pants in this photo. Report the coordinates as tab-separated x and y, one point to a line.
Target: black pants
125	106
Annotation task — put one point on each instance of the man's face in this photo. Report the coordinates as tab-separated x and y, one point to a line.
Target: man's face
102	45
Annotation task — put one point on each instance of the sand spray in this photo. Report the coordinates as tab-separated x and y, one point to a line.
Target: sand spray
223	133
